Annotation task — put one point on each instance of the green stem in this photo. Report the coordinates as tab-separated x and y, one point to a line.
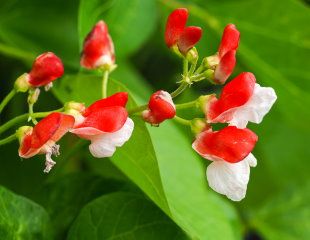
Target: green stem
186	105
185	67
30	115
200	69
198	77
193	67
137	109
7	99
8	139
24	117
179	90
105	79
182	121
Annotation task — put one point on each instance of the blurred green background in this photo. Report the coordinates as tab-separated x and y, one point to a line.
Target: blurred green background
161	190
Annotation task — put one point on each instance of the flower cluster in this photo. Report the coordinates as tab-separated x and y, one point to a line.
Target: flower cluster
107	124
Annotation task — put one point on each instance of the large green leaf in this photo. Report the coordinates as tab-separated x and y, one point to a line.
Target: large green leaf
123	216
130	22
30	27
21	218
168	172
286	216
64	197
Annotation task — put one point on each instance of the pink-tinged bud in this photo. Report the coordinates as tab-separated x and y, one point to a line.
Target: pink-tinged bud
230	144
178	34
106	124
98	48
160	108
46	68
43	137
242	100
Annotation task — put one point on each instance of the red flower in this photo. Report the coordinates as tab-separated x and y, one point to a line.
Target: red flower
242	100
230	152
178	34
46	68
43	137
224	62
106	124
230	144
98	48
160	108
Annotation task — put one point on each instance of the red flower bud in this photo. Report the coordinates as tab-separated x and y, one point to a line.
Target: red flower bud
46	68
98	48
230	144
161	107
178	34
43	137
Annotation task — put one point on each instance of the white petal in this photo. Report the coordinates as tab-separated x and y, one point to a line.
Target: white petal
230	179
166	97
104	145
256	108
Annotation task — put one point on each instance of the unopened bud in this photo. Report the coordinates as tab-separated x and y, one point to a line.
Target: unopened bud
192	55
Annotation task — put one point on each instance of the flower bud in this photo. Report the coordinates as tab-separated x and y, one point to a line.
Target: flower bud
21	132
178	34
192	55
46	68
160	108
98	49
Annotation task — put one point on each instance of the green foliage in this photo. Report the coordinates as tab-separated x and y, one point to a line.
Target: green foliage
123	216
20	218
274	46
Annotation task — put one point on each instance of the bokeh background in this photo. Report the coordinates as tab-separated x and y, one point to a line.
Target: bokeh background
275	43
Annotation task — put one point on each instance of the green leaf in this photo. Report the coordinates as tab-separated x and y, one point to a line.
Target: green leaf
123	216
164	167
30	27
130	22
21	218
64	197
286	216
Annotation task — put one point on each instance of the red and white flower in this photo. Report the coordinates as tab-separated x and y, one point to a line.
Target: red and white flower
177	34
242	100
160	108
43	137
224	61
230	152
106	124
45	69
98	48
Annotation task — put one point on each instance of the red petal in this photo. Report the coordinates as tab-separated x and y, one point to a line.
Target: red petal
46	68
108	119
175	25
97	44
234	94
189	37
52	127
160	107
118	99
230	144
230	40
225	67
